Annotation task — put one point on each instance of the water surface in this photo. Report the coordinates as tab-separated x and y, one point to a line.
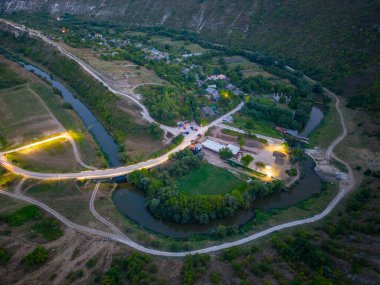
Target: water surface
100	134
131	202
315	119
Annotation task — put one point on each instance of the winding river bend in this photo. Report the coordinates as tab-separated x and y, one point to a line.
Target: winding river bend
131	202
102	137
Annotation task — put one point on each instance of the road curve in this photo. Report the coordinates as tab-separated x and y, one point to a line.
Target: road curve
113	172
344	187
99	217
145	113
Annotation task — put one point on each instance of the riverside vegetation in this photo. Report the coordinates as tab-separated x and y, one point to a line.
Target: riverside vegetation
165	202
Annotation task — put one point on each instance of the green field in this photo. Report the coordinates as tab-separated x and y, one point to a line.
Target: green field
177	45
208	179
259	127
21	110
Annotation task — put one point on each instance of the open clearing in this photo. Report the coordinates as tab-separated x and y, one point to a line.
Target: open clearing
24	117
121	74
259	127
208	179
249	68
32	111
51	156
179	46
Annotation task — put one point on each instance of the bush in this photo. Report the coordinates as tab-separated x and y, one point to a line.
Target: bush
193	267
38	256
50	229
4	256
246	160
231	253
292	172
23	215
225	153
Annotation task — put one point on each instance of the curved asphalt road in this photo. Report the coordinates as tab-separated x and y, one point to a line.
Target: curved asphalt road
113	172
343	189
93	73
345	186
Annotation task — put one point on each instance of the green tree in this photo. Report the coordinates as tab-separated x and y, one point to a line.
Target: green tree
193	267
38	256
225	153
4	256
260	164
246	159
241	141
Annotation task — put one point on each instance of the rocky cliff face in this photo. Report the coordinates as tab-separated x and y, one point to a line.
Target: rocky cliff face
192	14
332	40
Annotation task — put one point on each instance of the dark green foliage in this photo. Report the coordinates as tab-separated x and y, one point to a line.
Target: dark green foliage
50	228
246	160
231	253
23	215
167	104
260	268
194	266
136	269
225	153
271	113
8	78
155	131
292	172
135	265
37	257
91	262
299	249
359	200
74	275
215	278
5	257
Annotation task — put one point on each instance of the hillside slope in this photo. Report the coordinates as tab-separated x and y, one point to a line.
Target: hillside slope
337	42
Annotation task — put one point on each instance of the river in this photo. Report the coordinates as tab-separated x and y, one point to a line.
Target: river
316	116
131	203
100	134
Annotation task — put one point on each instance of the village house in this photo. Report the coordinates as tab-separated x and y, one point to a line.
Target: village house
228	120
207	111
233	89
217	77
277	97
191	54
211	90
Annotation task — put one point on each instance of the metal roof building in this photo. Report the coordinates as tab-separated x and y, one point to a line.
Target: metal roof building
216	146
